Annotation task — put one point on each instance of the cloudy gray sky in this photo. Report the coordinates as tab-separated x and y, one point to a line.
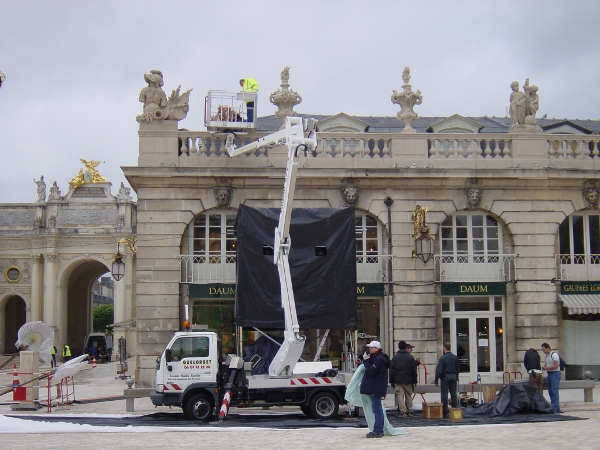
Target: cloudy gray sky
75	68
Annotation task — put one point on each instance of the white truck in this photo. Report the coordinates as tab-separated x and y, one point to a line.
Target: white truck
190	372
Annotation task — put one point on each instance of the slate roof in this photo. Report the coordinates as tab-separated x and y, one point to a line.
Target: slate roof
422	124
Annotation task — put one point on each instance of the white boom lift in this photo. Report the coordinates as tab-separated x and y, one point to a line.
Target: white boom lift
293	137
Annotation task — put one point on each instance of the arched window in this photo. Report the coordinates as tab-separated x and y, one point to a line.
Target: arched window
212	240
579	239
367	238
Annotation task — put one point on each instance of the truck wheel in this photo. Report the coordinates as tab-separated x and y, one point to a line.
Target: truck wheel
199	407
324	406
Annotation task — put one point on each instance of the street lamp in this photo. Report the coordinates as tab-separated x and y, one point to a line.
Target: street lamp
423	242
424	248
118	266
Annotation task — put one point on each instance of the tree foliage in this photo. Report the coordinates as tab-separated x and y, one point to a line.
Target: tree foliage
103	316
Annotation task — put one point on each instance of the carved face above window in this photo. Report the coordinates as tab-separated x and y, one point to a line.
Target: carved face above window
473	196
350	195
223	196
591	196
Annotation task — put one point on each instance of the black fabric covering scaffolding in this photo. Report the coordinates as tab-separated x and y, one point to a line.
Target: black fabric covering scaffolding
324	286
516	398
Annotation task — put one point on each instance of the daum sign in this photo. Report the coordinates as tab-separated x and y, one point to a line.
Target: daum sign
463	289
228	290
579	287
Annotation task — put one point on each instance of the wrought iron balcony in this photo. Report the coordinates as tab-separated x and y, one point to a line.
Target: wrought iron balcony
475	267
200	269
577	267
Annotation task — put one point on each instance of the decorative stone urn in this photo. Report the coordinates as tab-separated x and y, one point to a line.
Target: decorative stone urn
407	99
285	99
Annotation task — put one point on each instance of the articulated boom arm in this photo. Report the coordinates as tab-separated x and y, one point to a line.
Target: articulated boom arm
293	135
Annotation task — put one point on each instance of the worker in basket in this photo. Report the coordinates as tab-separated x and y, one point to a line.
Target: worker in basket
249	85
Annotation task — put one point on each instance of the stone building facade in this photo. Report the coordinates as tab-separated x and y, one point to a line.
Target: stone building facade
54	250
508	203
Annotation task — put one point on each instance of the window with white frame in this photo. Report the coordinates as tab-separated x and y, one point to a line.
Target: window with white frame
471	236
212	239
367	238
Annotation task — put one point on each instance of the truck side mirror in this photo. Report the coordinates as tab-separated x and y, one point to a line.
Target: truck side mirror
168	355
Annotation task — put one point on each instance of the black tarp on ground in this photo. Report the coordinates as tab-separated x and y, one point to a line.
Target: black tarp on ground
324	286
516	398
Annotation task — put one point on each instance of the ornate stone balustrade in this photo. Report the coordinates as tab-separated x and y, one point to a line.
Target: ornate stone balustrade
577	147
381	146
471	146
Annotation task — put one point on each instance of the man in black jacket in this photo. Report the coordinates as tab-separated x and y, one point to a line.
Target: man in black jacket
403	377
375	383
532	363
447	371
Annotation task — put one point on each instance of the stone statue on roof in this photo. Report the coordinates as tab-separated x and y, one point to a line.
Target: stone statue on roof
524	106
41	189
156	104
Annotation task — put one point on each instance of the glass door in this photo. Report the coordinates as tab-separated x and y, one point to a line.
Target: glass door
476	336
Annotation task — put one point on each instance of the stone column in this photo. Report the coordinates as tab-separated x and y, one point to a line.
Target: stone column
36	288
50	289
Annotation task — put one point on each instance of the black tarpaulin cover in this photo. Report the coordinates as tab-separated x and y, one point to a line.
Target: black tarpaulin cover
517	398
324	286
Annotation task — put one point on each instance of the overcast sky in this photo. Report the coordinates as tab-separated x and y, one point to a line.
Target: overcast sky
74	69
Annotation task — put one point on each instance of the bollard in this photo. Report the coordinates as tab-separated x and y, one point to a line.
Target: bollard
225	406
129	401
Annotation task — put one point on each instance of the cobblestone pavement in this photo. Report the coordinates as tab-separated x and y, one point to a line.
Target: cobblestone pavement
100	383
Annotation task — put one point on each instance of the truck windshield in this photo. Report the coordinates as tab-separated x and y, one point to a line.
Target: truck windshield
184	347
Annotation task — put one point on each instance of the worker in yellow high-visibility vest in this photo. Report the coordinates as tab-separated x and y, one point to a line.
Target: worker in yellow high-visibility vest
249	85
66	353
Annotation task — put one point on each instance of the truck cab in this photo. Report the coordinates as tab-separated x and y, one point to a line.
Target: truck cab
188	374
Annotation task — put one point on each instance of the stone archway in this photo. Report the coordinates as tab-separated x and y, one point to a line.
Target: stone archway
14	317
77	302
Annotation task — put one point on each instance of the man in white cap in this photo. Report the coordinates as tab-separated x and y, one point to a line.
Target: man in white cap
375	383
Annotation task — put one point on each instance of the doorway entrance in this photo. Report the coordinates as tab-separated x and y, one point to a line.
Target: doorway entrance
14	318
474	326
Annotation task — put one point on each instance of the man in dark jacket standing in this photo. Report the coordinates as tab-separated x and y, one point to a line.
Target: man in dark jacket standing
403	377
447	370
532	363
375	383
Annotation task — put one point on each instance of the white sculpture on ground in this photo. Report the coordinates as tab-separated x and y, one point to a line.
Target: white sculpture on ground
36	336
407	99
156	104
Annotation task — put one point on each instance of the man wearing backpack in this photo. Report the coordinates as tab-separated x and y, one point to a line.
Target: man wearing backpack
552	366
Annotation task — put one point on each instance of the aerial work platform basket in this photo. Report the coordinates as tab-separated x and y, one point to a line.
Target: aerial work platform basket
228	111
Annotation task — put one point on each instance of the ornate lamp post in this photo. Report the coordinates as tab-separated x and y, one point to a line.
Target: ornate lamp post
118	266
423	242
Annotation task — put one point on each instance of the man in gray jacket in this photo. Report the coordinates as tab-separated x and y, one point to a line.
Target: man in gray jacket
403	377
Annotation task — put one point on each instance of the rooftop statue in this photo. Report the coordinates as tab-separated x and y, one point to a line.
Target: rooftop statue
54	192
524	106
41	189
91	175
407	99
156	104
124	194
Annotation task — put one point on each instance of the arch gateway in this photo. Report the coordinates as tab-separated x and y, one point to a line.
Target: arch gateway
509	204
52	252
